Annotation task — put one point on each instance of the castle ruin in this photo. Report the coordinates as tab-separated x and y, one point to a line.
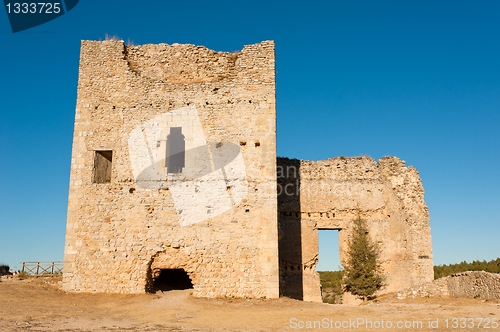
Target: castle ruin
174	175
330	194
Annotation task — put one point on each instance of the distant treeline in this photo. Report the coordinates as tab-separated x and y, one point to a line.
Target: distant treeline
332	281
492	266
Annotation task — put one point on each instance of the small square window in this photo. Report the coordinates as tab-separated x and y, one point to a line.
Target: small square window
102	166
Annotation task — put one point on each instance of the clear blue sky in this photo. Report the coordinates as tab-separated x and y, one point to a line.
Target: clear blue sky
419	80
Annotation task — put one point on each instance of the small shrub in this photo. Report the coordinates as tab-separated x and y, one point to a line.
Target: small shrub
113	38
4	270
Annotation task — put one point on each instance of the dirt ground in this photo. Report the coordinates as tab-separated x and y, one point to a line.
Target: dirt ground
38	305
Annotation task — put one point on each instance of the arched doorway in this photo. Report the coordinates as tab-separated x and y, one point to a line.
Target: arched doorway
171	279
172	269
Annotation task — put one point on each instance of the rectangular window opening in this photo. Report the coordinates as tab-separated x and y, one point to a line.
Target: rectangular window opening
102	166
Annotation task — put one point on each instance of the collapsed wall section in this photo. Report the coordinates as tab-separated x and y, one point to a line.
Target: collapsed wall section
187	138
471	284
475	284
329	194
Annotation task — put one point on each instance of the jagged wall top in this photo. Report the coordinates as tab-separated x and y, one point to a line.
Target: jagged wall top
181	63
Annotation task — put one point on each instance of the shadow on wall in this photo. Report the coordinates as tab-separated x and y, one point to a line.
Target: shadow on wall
290	232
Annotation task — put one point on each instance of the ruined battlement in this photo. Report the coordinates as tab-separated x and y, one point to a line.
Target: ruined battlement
177	63
195	64
329	194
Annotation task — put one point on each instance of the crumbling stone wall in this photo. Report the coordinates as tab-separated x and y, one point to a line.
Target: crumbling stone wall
435	288
328	194
472	284
123	229
475	284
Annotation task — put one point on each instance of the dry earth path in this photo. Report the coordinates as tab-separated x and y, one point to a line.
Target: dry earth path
38	305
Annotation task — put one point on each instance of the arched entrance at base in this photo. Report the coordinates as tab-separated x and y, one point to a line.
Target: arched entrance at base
171	269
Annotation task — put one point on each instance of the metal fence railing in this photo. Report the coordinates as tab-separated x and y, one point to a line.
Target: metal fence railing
42	268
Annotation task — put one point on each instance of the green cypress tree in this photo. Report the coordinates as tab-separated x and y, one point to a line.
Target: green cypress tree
361	277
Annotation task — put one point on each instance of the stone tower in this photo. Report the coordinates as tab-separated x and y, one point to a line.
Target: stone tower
174	169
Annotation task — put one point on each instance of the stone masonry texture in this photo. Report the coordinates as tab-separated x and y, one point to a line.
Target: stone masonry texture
123	230
472	284
475	284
